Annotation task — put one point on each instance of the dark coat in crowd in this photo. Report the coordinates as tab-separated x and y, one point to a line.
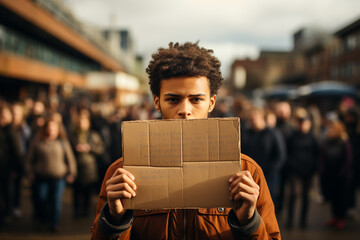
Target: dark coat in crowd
9	151
116	140
303	153
336	174
9	164
335	160
87	161
271	146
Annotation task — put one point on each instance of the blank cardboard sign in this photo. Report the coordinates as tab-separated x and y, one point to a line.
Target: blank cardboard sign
181	163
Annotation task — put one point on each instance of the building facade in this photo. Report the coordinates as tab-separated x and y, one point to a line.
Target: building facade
265	71
44	47
316	56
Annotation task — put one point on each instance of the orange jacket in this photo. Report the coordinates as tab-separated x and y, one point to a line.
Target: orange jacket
189	223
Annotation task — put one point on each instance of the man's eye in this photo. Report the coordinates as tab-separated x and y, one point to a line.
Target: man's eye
172	100
196	100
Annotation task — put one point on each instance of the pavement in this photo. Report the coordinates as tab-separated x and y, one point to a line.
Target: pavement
79	229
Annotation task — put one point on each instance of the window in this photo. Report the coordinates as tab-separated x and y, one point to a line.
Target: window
17	43
351	42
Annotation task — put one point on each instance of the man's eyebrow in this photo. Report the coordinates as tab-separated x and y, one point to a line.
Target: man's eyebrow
198	95
172	95
192	95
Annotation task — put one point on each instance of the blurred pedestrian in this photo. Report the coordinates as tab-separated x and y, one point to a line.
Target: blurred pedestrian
302	163
351	120
271	156
36	117
335	163
22	133
87	144
241	109
285	128
270	118
49	165
101	125
9	160
115	129
222	109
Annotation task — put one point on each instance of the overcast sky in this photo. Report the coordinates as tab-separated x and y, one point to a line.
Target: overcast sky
232	28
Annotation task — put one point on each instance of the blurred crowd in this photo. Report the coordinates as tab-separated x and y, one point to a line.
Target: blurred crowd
295	143
49	147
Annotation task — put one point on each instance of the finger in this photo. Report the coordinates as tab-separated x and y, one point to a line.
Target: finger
246	197
241	187
235	176
120	171
243	178
118	195
244	188
238	174
121	187
247	173
121	179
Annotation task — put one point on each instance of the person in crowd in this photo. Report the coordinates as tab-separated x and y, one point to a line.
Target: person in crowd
352	124
222	109
285	127
302	163
283	115
36	118
316	120
49	165
271	156
345	104
22	134
270	118
68	111
184	80
241	109
28	107
115	130
101	125
9	160
335	168
87	144
144	111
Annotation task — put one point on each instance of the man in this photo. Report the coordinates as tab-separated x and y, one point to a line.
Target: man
286	129
303	153
184	80
272	154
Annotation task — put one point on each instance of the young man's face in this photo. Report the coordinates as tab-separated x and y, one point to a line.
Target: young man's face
184	98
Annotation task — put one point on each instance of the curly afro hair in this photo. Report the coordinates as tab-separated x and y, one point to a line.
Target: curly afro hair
184	60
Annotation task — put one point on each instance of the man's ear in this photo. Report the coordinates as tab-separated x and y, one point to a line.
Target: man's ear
157	103
212	103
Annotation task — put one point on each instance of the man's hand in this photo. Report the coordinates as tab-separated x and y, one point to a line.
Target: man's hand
245	192
120	186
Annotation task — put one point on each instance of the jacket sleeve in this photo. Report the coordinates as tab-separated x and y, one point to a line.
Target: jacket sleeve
263	224
103	228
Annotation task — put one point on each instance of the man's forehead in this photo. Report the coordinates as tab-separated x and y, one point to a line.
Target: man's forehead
185	86
171	94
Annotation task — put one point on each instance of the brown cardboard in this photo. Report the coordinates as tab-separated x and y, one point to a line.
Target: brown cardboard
181	163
